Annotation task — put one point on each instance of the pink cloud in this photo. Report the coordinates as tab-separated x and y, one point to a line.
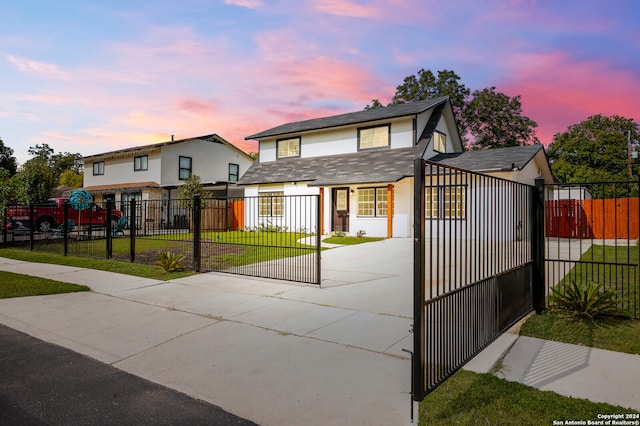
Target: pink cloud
346	8
195	107
558	91
41	69
251	4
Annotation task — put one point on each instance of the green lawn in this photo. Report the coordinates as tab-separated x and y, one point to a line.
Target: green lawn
608	265
351	240
18	285
614	334
128	268
482	399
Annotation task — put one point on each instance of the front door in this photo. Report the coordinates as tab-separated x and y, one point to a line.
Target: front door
340	197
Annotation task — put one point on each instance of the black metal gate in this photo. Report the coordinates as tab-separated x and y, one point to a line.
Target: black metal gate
474	268
591	236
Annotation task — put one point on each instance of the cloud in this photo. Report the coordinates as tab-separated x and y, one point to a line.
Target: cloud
40	69
251	4
346	8
559	90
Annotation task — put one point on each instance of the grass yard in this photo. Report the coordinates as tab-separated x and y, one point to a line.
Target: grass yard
614	334
613	272
128	268
18	285
482	399
347	241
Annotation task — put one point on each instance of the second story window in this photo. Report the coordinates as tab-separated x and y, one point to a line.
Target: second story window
288	147
439	142
98	168
234	172
141	163
185	168
374	137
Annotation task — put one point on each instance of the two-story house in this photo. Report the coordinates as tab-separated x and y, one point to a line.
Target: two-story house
361	164
154	172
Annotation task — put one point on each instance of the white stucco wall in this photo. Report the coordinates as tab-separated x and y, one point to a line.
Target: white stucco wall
209	160
120	170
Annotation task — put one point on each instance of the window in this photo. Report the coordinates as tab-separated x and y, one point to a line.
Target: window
271	204
98	168
374	137
140	163
439	142
288	147
234	172
445	202
185	168
372	202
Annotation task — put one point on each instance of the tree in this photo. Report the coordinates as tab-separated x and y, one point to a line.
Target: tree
489	119
425	85
41	174
190	187
7	160
10	190
71	178
594	150
495	120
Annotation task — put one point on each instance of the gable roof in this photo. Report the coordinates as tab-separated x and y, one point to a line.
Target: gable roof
373	166
391	111
126	152
490	160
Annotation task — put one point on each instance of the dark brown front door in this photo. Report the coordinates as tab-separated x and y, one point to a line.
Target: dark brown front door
340	197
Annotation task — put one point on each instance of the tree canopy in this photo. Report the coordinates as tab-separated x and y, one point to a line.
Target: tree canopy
594	150
495	120
485	118
7	160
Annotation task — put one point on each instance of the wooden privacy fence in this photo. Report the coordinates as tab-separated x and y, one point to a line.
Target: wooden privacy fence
608	218
223	215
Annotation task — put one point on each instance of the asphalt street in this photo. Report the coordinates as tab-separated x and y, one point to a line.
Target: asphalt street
45	384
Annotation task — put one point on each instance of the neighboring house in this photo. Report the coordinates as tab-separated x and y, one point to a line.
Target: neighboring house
154	172
361	164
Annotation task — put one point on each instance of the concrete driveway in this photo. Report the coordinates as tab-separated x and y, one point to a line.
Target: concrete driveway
274	353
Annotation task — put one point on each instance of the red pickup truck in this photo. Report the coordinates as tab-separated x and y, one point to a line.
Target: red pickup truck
50	215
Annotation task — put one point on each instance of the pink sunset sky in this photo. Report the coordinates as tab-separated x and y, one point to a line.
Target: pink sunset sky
93	76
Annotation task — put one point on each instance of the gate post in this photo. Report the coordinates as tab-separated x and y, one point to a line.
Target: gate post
319	212
132	229
197	204
537	245
65	227
418	358
107	228
32	225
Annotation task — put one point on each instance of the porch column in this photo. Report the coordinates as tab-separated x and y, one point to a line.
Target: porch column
321	231
389	211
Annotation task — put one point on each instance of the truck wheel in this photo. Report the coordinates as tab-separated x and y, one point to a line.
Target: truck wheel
44	224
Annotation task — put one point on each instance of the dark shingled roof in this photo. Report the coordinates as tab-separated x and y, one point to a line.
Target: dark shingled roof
392	111
375	166
380	165
490	160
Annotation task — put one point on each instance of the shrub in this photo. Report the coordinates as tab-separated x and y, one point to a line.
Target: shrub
585	300
361	233
339	234
170	262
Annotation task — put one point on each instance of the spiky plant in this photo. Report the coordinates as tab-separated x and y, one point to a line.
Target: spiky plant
170	261
585	300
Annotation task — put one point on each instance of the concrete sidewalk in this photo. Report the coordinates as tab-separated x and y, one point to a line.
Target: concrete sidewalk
279	353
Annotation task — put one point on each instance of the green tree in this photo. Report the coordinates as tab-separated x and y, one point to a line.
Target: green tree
7	160
190	187
40	174
10	190
495	120
485	118
594	150
71	178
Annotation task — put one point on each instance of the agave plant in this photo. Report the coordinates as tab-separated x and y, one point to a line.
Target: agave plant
170	261
585	300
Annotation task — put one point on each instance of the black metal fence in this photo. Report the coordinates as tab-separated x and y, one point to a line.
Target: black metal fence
474	267
592	233
270	236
